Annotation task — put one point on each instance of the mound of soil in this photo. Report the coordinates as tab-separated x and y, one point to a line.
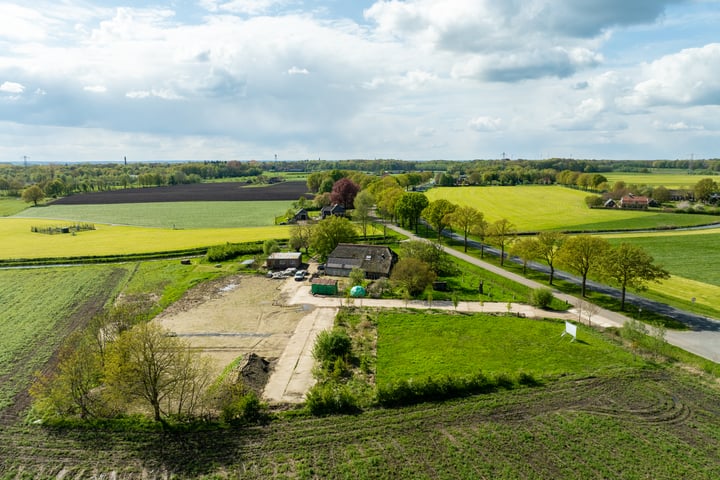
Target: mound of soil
254	372
199	192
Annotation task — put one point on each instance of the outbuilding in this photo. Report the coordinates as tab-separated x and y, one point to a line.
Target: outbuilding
283	260
324	286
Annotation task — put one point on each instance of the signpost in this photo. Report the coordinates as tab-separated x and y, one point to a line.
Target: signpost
570	329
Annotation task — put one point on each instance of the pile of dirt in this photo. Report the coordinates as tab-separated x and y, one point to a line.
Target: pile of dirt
254	372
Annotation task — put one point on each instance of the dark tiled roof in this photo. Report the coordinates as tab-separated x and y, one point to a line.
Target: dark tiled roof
371	258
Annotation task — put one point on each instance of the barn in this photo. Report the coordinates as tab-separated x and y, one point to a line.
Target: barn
283	260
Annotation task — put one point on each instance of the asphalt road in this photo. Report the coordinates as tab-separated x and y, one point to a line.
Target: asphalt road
702	339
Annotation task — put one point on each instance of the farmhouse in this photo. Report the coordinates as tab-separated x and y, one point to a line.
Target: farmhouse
376	260
634	202
337	210
282	260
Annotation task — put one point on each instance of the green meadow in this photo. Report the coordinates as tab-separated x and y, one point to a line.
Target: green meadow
169	214
655	179
431	344
11	206
41	307
536	208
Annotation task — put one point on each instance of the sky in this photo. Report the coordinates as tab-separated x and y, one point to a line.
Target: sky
101	80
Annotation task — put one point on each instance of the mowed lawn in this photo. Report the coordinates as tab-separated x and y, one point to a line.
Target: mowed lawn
18	242
536	208
432	344
168	214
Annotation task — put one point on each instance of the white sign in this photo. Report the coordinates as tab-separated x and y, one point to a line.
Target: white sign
570	329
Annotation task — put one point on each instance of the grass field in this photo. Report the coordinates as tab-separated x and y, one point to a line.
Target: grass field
11	206
17	241
429	344
40	307
169	214
536	208
668	180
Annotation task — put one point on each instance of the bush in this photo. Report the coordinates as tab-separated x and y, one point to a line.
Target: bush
332	345
408	392
541	297
331	397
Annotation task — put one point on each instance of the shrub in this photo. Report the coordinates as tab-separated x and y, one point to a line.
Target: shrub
332	345
541	297
331	397
270	246
220	253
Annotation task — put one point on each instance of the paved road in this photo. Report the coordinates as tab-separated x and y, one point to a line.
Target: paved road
703	339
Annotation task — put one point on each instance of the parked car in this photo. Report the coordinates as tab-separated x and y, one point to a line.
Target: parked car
321	266
300	275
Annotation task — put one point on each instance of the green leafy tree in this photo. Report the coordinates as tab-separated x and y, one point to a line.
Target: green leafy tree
146	363
328	233
438	213
502	232
630	266
357	276
582	254
432	254
704	189
270	246
468	220
300	235
364	202
549	244
33	194
409	207
526	249
412	275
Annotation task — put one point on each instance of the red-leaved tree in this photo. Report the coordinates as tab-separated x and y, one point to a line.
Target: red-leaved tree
344	192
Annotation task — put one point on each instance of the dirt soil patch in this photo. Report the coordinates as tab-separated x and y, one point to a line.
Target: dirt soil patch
199	192
233	317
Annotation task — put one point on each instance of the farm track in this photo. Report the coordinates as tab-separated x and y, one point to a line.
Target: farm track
199	192
518	428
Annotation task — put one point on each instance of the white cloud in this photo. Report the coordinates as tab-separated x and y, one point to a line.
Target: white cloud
12	87
95	88
246	7
298	71
158	93
689	77
678	126
485	124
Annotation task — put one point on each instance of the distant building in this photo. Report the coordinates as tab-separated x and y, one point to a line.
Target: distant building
376	260
336	210
300	216
634	202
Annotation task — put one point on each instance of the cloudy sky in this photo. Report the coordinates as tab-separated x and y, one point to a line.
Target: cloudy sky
100	80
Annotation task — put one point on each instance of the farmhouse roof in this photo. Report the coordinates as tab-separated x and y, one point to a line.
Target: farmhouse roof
373	259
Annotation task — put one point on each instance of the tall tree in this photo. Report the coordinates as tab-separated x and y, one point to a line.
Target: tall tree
630	266
364	202
549	244
467	219
146	363
33	194
344	192
437	214
583	253
412	275
409	207
328	233
502	232
300	235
